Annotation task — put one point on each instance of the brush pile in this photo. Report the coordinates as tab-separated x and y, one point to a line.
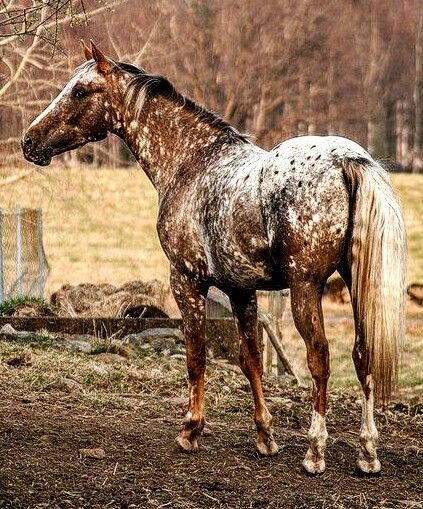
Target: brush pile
136	299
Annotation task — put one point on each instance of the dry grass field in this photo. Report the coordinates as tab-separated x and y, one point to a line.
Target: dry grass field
100	224
100	227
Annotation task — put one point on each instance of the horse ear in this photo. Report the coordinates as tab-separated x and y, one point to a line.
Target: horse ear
87	52
103	64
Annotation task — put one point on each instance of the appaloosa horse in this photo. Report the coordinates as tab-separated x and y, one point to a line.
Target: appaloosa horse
242	218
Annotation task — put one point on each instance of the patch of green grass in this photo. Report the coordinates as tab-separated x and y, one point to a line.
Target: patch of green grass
41	340
8	306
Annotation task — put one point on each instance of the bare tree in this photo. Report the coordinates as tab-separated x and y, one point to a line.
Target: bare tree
418	100
18	21
32	75
274	69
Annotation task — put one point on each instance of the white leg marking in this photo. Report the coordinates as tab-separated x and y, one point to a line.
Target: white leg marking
367	458
314	461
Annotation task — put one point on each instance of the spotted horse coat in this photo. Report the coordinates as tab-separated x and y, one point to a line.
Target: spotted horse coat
242	218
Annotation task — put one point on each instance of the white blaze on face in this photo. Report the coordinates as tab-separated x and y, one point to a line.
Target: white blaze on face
64	93
82	77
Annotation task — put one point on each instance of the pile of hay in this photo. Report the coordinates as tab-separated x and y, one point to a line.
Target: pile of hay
415	292
136	299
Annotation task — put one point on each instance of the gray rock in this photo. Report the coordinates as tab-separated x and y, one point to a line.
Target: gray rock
178	356
68	383
78	343
101	370
8	332
178	350
159	339
162	344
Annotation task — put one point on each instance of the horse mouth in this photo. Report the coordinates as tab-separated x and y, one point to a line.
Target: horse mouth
38	159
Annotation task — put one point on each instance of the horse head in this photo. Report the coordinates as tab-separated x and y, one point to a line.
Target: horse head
81	113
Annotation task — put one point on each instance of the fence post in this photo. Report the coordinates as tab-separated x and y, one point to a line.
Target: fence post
18	251
276	307
1	259
40	253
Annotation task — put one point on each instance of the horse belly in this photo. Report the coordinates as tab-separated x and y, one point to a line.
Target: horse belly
230	265
235	241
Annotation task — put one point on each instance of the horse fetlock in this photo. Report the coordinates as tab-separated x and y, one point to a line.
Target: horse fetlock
369	437
194	423
314	461
263	420
318	438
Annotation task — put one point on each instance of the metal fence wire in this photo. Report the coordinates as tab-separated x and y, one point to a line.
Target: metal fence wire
23	264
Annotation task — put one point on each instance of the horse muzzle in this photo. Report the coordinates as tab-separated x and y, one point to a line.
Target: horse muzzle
34	153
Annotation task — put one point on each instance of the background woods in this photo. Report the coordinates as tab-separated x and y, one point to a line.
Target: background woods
274	69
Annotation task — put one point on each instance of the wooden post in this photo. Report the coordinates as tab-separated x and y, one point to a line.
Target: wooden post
273	362
277	305
40	254
1	259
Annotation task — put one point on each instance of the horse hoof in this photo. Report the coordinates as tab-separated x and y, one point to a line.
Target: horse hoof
369	467
269	448
186	445
314	467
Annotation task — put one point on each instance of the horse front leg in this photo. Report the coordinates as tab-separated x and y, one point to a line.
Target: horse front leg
191	300
244	306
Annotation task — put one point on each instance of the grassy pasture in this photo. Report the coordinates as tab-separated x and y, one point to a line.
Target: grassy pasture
100	227
100	224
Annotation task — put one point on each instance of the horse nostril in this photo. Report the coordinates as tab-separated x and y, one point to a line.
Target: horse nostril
27	141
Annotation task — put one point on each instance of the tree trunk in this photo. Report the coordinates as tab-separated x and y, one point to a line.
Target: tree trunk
376	114
418	101
403	133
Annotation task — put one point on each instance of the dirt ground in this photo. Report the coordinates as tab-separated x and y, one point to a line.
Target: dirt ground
41	436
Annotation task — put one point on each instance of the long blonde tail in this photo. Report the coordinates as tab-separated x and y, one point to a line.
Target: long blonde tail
378	269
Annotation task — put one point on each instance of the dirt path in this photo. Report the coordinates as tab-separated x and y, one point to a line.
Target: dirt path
41	468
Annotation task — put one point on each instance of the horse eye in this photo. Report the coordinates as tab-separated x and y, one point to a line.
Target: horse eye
79	94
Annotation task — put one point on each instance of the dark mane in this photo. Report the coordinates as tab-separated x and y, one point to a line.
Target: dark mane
156	84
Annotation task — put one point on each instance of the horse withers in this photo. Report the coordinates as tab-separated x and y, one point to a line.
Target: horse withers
242	218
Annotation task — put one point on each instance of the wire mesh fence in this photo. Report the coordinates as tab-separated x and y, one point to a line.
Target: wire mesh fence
23	264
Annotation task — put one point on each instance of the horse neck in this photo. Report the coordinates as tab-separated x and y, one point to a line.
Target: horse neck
167	139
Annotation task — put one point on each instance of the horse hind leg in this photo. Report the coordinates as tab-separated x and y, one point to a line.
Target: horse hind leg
308	318
367	461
